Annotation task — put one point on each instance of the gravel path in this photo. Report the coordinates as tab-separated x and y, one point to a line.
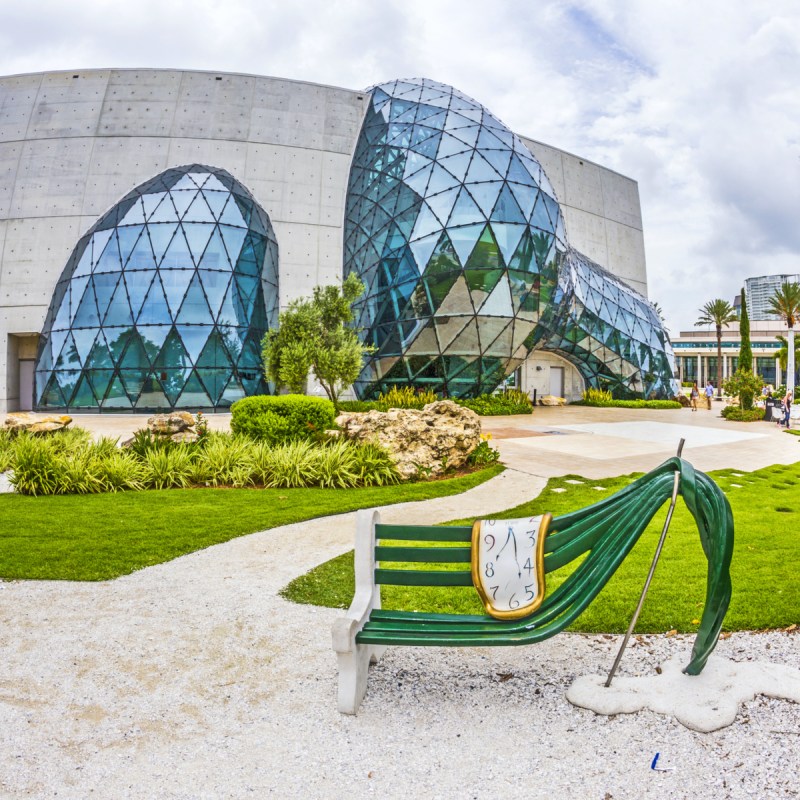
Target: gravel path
193	679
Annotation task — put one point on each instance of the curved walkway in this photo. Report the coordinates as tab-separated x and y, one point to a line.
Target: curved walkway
194	679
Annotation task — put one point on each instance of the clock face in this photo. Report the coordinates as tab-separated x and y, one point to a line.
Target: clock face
508	564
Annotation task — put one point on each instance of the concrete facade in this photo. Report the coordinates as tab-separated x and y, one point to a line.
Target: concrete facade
73	143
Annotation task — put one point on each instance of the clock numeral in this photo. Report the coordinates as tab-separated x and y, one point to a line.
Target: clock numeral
489	571
486	539
529	595
494	591
512	603
532	536
528	566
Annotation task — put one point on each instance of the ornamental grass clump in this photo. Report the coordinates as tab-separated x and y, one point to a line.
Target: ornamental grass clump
225	461
405	397
168	469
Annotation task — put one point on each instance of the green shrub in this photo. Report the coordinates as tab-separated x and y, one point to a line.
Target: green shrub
737	414
119	470
290	465
373	466
353	406
6	450
598	397
405	397
483	455
37	468
496	405
281	418
169	468
605	403
224	461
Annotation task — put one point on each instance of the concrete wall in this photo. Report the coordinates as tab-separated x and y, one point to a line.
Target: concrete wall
73	143
601	212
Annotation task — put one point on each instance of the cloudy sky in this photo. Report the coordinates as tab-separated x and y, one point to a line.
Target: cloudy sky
699	101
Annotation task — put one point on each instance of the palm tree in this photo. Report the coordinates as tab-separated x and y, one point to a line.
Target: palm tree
783	354
718	313
786	304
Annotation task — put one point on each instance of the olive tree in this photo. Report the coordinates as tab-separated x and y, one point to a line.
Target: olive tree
313	335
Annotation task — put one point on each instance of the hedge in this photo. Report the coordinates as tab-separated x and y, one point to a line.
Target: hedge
281	418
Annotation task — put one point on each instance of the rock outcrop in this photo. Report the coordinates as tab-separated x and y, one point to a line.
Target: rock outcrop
425	442
33	423
552	400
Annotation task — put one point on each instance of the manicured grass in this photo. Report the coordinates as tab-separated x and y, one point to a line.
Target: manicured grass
102	536
766	586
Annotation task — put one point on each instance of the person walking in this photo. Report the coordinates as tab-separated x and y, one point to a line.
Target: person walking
694	396
709	395
787	408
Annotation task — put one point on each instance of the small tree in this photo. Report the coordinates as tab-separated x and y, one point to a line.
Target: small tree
786	304
745	350
313	335
718	313
744	384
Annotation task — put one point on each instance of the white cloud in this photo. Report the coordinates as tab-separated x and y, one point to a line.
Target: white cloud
696	101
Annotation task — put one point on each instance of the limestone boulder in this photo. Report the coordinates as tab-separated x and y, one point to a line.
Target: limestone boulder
552	400
35	423
169	424
421	442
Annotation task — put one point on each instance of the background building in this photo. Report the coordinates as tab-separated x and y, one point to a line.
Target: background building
73	144
760	290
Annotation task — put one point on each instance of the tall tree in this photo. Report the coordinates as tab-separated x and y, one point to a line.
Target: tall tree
719	313
783	353
745	361
786	304
313	335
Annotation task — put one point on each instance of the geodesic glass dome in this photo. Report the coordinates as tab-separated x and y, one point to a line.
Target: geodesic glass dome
164	301
457	234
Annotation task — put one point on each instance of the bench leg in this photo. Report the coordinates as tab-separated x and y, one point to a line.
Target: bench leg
377	651
353	675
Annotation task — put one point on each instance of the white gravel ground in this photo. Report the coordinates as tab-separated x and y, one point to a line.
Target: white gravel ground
193	679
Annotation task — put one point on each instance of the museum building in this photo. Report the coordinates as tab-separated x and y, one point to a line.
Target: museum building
153	223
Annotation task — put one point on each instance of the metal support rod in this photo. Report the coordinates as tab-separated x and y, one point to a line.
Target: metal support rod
675	485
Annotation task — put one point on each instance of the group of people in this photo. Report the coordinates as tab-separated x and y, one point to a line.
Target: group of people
784	403
694	395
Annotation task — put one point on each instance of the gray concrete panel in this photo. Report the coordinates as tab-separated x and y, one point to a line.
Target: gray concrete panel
626	252
587	233
51	177
68	104
582	185
229	155
17	99
9	162
621	199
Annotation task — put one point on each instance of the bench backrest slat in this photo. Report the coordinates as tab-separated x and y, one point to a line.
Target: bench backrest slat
424	533
434	555
419	577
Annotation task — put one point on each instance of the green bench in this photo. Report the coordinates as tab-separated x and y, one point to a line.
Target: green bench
606	530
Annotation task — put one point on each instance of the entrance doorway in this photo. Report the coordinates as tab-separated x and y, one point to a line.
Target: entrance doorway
557	381
26	384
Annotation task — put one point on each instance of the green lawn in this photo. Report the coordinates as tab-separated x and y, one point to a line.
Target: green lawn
766	586
102	536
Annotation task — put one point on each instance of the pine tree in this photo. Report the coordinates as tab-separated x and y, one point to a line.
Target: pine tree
745	350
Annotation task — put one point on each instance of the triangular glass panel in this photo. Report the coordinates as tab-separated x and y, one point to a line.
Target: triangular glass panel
185	182
525	197
465	238
213	184
457	302
110	260
165	211
216	202
233	391
182	201
507	209
418	182
499	159
177	255
215	256
137	283
172	354
234	240
197	236
135	215
84	266
51	396
518	173
83	396
194	338
117	397
134	381
153	337
426	223
86	315
457	164
468	134
214	354
99	380
194	394
199	210
151	202
480	170
99	242
160	236
152	396
485	195
442	204
508	237
465	211
486	253
447	328
155	310
84	340
104	286
231	215
449	146
498	303
135	356
215	284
